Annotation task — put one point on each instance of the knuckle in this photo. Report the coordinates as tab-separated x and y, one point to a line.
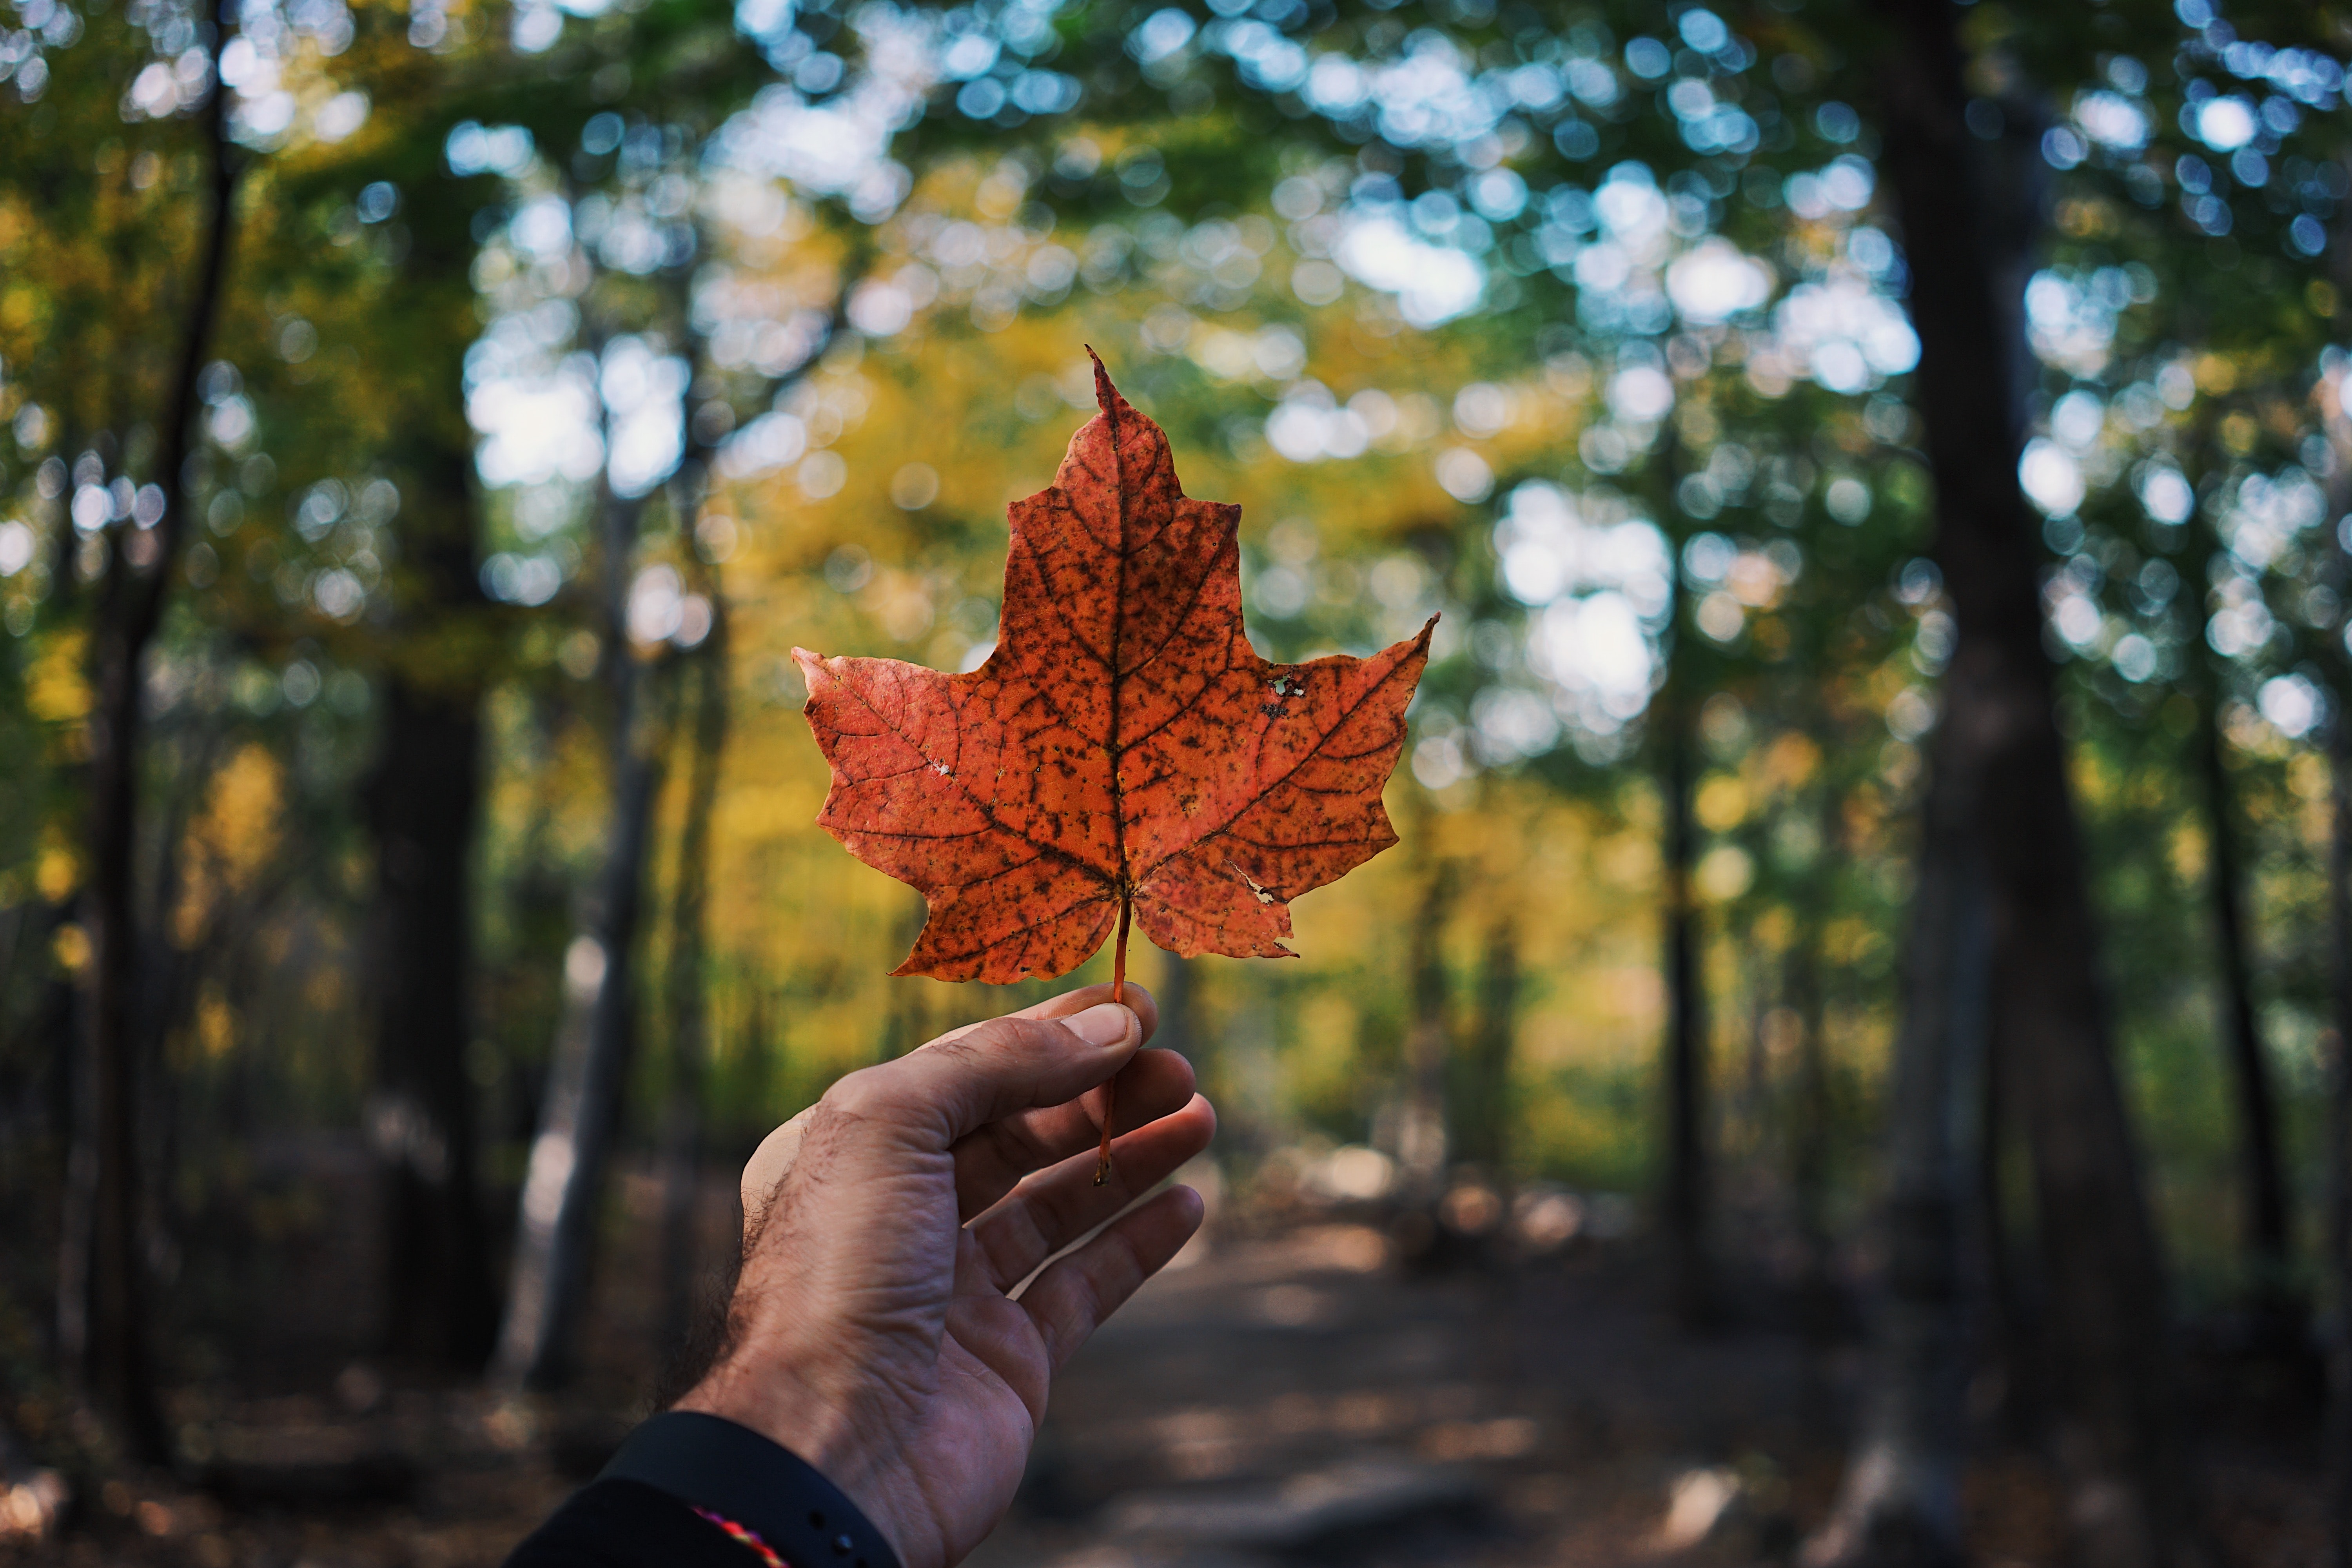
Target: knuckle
856	1097
994	1042
994	1037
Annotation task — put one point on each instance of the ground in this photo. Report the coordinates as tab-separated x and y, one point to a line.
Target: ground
1290	1393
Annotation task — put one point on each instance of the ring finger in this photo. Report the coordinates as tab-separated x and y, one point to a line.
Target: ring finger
1055	1207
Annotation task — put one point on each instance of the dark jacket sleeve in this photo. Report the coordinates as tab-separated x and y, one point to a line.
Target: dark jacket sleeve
662	1500
629	1524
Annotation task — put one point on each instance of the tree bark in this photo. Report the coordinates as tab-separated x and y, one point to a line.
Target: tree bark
2339	1144
1422	1152
2261	1174
2338	1242
422	803
2012	1332
1900	1503
1968	236
424	810
563	1185
1809	1133
1486	1119
140	566
440	1304
1685	1200
2268	1224
681	1142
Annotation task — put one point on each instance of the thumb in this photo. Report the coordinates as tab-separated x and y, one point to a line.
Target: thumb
957	1085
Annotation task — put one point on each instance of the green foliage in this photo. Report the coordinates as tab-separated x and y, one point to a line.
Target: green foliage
1655	436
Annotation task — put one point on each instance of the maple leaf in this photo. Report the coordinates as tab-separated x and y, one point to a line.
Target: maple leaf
1123	746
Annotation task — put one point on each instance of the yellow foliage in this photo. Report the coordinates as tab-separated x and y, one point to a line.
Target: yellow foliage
232	840
1790	761
58	872
753	812
2308	773
1722	803
57	687
1850	941
1325	1066
2096	781
2187	851
215	1029
1724	873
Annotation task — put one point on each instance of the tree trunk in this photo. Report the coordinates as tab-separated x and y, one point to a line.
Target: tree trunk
64	1013
1486	1119
140	566
440	1304
579	1116
1422	1152
2339	1143
1809	1131
2262	1167
1685	1199
1901	1500
2337	1243
423	802
77	1206
2263	1189
1967	240
681	1142
2012	1328
424	808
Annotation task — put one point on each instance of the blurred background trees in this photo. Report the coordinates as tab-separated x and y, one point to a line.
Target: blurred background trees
1878	795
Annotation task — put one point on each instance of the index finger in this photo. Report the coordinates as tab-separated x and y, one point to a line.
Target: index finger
909	1112
1027	1134
1138	1001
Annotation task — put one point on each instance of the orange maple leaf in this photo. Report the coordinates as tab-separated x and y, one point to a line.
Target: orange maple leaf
1124	745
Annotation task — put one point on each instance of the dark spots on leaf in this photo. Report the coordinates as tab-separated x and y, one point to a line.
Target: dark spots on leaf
1169	670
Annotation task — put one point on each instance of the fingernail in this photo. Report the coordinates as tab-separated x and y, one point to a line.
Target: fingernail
1106	1024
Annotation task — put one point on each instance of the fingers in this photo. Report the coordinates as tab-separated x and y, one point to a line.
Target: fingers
1053	1209
990	1162
1139	1002
921	1104
1069	1301
1008	1066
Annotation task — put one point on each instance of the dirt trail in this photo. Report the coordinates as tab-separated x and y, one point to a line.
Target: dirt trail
1288	1398
1297	1395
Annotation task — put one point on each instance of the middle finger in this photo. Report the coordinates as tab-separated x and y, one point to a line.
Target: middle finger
992	1161
1053	1208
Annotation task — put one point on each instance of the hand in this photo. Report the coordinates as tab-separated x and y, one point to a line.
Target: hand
872	1332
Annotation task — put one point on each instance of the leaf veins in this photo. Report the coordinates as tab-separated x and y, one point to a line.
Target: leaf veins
1123	745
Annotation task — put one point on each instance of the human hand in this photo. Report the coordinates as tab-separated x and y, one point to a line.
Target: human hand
872	1334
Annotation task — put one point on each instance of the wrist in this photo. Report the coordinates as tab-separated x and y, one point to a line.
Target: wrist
825	1427
783	1407
752	1487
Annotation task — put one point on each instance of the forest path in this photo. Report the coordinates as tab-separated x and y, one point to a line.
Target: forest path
1298	1397
1280	1398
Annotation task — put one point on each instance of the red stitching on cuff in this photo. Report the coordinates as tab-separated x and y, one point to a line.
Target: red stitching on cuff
746	1537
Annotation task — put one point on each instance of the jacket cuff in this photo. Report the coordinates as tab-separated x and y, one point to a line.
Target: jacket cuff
720	1468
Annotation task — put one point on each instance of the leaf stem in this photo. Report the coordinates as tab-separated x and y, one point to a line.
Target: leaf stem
1117	994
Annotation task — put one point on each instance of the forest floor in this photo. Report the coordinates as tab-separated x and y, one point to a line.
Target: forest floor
1286	1394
